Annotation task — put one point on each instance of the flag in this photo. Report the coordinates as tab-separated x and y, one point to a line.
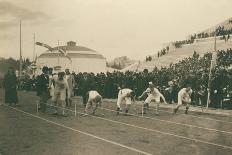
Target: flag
44	45
64	52
52	49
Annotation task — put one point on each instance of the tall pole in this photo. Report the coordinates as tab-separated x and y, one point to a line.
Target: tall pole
34	48
20	51
58	53
211	67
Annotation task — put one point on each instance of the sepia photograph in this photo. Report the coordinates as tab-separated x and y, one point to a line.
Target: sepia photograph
115	77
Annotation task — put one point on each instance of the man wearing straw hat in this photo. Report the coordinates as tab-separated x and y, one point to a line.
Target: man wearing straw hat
153	95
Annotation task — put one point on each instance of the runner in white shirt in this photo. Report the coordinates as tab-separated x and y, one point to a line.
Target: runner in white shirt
59	96
94	99
153	95
127	96
184	98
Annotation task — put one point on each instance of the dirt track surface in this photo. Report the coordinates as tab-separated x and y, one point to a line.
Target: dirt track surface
23	131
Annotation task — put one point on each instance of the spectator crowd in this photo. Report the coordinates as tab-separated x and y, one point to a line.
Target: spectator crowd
169	80
220	31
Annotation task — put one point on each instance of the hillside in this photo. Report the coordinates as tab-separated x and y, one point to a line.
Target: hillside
200	45
178	54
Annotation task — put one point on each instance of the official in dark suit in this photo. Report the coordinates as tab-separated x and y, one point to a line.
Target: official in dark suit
10	86
42	89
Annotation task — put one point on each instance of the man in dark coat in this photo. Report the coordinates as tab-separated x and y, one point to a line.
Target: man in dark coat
218	83
10	85
42	89
85	87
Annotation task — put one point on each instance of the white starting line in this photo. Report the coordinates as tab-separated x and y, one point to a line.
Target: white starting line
173	122
190	115
79	131
157	131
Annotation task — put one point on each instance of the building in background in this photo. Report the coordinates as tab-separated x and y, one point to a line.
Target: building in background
83	59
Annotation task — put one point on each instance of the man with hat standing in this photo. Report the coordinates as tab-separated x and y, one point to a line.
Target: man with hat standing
153	95
42	89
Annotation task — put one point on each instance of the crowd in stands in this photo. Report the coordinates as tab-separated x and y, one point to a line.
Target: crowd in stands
220	31
148	58
160	53
169	80
178	44
164	51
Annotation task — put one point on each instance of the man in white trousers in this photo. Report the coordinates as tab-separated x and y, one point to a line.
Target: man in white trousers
126	95
61	86
95	100
184	98
153	95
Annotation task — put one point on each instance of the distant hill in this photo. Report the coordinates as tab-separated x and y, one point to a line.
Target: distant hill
120	62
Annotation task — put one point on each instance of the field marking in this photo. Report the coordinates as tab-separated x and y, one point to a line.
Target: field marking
190	115
173	122
206	118
157	131
127	124
79	131
223	115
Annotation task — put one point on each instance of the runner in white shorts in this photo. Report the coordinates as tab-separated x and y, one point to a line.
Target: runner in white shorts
126	95
59	96
184	98
153	96
94	99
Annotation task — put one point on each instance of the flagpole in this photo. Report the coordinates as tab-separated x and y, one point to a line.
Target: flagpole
210	70
34	48
20	50
58	53
208	96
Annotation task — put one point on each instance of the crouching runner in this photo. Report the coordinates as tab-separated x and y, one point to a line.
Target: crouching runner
94	100
153	96
184	98
126	95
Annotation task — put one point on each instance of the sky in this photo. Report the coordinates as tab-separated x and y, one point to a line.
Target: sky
133	28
